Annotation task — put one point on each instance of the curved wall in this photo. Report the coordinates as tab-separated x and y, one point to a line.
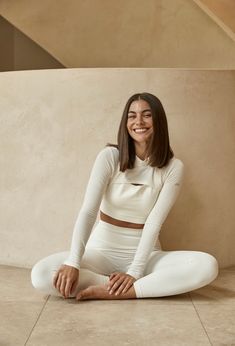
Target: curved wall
124	33
53	124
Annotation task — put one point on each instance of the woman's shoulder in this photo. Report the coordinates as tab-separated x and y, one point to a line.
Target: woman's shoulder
110	154
110	151
176	162
174	166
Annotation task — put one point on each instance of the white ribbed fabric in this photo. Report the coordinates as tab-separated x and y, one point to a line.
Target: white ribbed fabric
143	194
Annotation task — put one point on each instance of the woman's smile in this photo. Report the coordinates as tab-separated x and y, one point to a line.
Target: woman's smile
140	130
139	122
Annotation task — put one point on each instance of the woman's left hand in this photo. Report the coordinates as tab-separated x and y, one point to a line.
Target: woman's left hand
120	282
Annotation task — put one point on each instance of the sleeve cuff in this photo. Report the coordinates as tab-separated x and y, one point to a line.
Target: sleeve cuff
134	274
71	264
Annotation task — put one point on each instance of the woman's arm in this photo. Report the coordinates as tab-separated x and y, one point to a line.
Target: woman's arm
164	203
100	175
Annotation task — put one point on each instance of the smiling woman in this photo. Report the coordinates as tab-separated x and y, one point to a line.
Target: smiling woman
140	125
143	132
134	185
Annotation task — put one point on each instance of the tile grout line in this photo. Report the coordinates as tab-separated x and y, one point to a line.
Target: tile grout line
39	315
200	320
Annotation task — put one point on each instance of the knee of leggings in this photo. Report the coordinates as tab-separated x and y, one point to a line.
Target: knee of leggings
213	266
39	277
206	267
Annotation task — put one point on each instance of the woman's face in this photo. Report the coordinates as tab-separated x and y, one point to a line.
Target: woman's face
139	121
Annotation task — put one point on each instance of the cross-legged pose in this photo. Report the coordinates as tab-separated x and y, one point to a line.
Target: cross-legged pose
133	185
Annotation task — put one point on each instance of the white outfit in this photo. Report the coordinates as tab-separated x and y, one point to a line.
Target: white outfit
144	195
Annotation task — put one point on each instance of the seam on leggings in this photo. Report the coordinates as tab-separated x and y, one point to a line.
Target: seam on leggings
94	270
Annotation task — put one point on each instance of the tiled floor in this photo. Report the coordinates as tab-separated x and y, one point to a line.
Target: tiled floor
202	317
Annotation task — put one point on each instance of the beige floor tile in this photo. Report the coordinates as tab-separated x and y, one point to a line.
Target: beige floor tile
171	300
17	320
20	305
130	322
221	290
159	321
219	322
15	285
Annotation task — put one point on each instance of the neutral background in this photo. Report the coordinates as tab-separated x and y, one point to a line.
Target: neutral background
53	124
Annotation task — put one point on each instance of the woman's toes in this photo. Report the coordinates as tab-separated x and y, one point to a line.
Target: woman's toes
79	296
84	294
93	292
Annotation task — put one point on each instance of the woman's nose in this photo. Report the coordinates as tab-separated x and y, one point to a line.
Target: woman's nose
139	120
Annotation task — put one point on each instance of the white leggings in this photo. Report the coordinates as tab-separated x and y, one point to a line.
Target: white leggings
112	248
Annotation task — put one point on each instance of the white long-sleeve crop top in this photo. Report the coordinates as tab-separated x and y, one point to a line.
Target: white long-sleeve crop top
143	195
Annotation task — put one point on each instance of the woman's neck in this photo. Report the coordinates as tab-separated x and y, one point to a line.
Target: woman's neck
140	151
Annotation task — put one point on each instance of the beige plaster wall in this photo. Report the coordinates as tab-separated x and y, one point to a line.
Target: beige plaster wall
124	33
53	124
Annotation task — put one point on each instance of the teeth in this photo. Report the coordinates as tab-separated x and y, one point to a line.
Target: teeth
140	130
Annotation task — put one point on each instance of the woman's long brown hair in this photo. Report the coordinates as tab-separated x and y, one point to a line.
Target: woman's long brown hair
159	151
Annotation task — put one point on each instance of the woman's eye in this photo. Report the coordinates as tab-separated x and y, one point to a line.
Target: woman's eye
148	115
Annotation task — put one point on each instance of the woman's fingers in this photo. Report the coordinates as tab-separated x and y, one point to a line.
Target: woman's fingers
68	287
123	286
62	286
55	279
113	275
73	287
58	282
128	285
111	280
117	281
120	282
65	280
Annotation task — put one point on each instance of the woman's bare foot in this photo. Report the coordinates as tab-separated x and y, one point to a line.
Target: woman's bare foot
101	292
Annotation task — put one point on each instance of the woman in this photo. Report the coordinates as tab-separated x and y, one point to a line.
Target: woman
135	184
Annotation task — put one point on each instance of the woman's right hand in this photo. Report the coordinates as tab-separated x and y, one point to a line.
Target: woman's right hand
66	279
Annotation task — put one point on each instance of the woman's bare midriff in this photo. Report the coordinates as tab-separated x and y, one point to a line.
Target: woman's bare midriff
106	218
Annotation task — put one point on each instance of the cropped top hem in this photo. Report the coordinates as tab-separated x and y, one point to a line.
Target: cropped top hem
123	217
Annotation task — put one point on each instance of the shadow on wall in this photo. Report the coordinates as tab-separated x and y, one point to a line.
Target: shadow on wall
22	53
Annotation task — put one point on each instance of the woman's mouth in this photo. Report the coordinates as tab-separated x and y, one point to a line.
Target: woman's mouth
140	130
